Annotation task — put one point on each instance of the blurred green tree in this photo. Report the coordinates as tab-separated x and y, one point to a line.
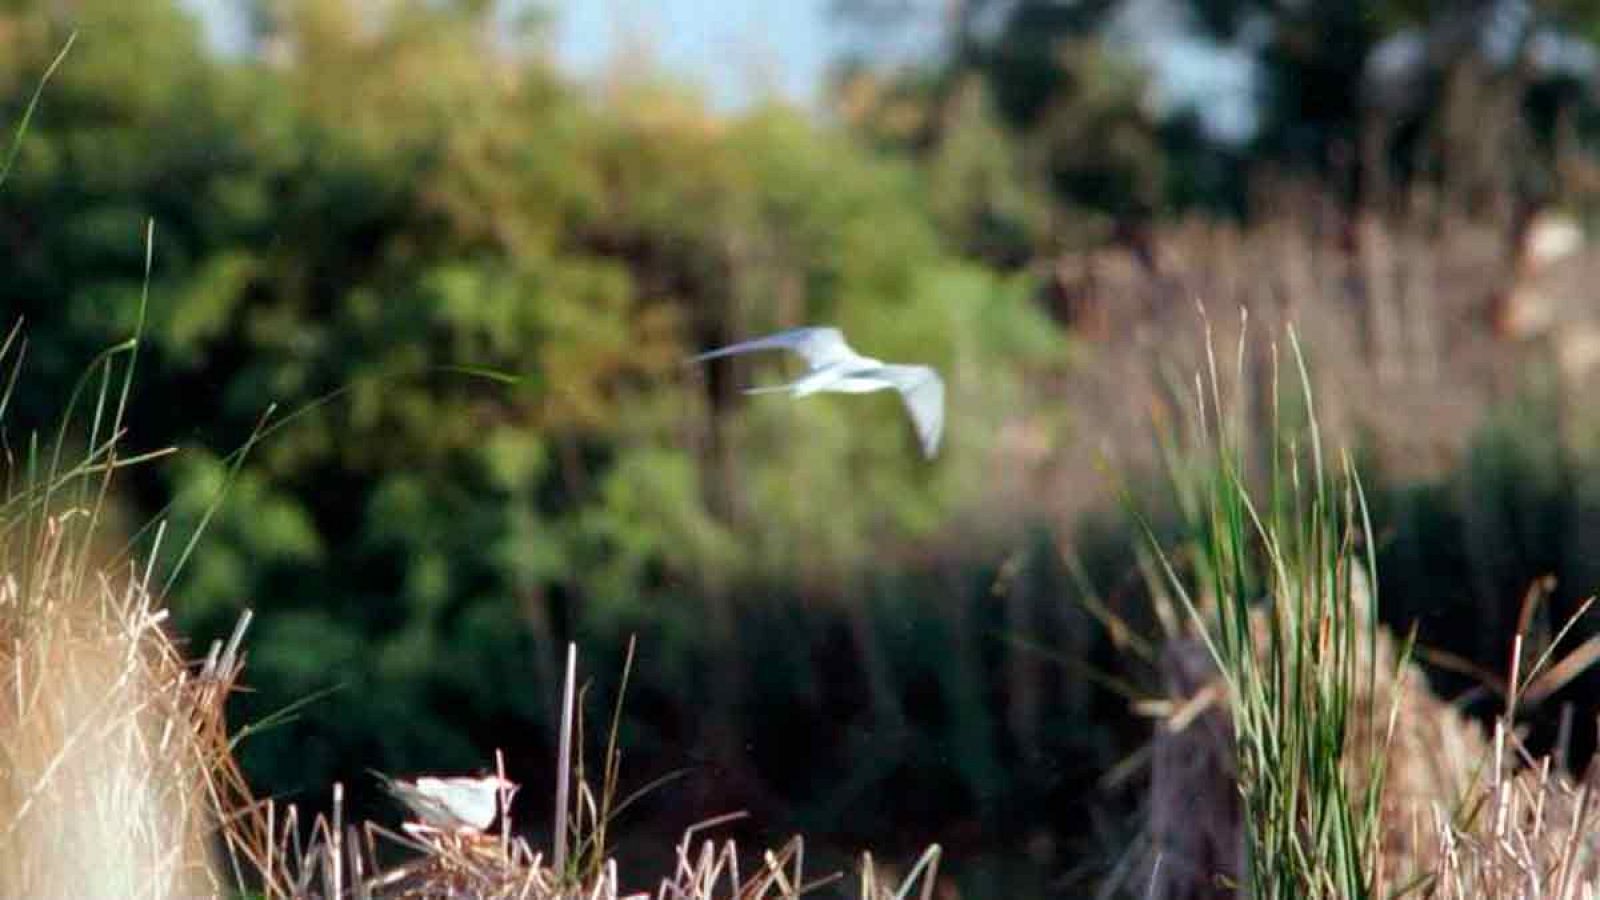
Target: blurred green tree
375	198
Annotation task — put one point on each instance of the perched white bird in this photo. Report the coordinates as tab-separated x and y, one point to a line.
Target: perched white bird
1551	237
836	367
453	803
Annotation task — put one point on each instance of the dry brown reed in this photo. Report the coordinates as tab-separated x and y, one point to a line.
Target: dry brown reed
340	862
1401	308
116	773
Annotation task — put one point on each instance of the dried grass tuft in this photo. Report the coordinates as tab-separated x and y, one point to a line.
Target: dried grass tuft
115	769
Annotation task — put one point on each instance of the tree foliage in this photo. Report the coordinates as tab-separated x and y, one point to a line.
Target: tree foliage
375	206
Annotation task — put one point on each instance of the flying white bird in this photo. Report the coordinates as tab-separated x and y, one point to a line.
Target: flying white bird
453	803
836	367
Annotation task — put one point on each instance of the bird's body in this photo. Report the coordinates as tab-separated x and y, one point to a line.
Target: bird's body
452	803
837	368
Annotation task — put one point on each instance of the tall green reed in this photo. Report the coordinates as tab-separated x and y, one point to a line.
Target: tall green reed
1277	586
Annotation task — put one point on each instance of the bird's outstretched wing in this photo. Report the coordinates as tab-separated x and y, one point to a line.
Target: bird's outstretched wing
923	392
819	346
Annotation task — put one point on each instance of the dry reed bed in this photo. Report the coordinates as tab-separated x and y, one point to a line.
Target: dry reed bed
340	862
1398	310
115	767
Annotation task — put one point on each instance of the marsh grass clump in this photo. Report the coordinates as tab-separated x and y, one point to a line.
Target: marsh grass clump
1300	752
116	775
116	771
104	735
1266	584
